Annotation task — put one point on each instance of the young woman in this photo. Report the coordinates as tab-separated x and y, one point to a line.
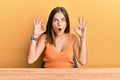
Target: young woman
58	45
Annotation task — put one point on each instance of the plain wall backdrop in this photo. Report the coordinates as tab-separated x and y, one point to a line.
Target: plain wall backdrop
103	31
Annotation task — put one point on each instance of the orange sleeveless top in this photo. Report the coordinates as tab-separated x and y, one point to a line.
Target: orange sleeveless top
64	59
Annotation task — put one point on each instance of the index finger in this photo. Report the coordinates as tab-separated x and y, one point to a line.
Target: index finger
85	24
79	20
41	20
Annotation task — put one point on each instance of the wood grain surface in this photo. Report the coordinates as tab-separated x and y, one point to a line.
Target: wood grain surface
59	74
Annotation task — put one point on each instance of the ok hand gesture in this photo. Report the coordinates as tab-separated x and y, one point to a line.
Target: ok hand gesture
39	28
81	28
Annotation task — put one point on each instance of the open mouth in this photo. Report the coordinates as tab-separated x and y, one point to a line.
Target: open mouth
59	29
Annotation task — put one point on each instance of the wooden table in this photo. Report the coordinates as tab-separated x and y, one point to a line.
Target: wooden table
60	74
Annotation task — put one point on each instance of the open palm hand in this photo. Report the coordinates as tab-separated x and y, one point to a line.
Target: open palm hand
39	28
80	29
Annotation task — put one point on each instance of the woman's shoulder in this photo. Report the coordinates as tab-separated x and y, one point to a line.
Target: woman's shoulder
43	37
73	36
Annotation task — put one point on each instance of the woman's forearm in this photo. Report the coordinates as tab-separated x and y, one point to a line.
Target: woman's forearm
32	52
83	51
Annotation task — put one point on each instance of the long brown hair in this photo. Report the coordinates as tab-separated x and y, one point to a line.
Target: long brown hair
49	31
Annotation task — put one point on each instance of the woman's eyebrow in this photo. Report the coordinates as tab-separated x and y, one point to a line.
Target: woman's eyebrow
55	18
58	19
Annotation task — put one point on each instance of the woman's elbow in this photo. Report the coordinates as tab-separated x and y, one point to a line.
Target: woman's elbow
30	61
83	63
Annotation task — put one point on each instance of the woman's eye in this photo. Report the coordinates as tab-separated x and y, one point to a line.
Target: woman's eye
63	19
55	20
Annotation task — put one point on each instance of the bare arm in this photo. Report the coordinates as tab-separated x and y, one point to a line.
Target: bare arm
37	47
35	50
80	50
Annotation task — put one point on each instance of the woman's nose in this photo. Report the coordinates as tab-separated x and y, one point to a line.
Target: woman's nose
59	23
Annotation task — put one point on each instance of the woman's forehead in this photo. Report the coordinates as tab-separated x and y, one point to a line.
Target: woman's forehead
59	15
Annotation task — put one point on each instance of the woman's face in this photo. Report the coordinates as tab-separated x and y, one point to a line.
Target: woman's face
59	23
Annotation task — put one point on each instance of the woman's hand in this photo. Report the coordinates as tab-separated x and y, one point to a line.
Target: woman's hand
39	28
81	28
